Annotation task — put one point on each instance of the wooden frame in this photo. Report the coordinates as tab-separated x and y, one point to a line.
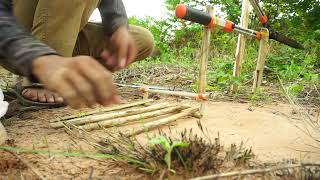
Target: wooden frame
241	46
263	51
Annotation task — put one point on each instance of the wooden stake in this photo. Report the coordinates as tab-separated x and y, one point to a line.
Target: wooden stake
263	51
151	125
124	120
204	54
244	21
118	107
103	117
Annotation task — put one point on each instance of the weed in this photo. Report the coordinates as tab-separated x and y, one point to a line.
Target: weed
260	95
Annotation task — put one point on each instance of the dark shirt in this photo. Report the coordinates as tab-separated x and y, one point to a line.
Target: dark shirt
18	48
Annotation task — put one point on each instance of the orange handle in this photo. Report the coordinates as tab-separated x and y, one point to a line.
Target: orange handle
193	15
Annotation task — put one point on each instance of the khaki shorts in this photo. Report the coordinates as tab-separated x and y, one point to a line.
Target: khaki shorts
63	25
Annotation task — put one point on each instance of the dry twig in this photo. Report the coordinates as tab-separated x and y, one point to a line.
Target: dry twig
33	169
252	171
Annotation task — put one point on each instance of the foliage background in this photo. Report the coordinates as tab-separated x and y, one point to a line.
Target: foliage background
177	42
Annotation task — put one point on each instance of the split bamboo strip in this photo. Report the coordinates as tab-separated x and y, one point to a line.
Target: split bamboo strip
176	93
124	120
238	174
118	107
151	125
103	117
197	115
244	21
263	51
204	54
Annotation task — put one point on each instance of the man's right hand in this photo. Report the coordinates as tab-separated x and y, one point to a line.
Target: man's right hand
80	80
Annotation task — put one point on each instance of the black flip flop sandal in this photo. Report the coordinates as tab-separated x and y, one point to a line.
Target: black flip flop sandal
18	89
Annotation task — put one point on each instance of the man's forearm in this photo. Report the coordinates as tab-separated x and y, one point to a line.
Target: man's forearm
113	15
17	47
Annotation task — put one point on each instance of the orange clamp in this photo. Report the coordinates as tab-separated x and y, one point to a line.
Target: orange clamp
181	11
202	97
259	35
264	20
229	26
212	25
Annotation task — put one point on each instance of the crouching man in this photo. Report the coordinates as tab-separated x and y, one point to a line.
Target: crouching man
51	42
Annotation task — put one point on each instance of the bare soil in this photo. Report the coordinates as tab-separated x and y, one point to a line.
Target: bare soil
272	132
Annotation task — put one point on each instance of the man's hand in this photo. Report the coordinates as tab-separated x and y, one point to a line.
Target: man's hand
81	80
123	50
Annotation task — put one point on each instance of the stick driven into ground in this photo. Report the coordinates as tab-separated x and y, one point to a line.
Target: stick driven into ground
263	51
241	46
204	54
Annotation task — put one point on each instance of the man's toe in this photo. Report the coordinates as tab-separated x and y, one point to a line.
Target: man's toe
57	98
30	94
49	97
42	96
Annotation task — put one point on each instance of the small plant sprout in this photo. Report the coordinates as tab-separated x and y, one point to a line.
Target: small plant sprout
168	147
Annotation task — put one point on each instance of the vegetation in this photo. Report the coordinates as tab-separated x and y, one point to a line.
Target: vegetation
178	42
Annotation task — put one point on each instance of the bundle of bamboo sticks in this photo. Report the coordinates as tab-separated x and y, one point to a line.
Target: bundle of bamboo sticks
119	115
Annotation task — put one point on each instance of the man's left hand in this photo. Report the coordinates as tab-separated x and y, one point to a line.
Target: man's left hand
123	51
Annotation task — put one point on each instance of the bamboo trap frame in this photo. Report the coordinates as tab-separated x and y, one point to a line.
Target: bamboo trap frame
133	118
114	108
102	117
201	95
130	113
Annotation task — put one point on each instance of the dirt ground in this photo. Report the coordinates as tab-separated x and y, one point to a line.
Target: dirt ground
272	132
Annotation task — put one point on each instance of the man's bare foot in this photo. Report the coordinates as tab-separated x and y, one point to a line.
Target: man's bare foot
41	95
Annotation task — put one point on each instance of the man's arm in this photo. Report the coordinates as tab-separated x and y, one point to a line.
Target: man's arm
113	14
18	48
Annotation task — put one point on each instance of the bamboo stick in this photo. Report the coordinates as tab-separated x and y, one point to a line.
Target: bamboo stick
244	21
140	86
103	117
151	125
204	52
145	93
176	93
124	120
252	171
197	115
118	107
263	51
